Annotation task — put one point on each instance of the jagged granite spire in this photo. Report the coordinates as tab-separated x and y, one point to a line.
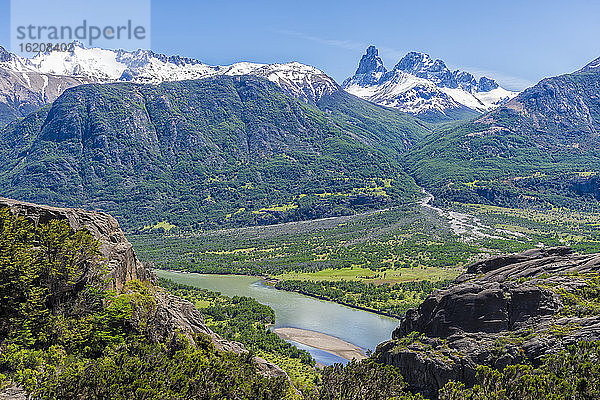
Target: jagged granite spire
370	63
370	69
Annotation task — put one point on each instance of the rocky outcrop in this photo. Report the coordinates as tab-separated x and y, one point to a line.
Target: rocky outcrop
503	310
116	251
172	314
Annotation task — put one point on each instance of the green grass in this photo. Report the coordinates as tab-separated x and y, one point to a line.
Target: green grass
391	276
165	225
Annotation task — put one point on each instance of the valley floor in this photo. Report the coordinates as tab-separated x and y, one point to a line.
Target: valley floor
385	261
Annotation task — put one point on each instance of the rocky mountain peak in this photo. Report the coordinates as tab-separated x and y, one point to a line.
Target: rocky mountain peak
486	84
370	62
419	84
29	83
372	51
370	68
417	63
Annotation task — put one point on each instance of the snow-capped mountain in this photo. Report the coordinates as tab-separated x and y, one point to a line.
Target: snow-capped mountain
23	90
41	79
144	66
421	85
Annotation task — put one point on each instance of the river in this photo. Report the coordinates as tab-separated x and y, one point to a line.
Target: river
292	310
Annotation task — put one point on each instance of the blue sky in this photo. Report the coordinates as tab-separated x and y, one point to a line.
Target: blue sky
516	42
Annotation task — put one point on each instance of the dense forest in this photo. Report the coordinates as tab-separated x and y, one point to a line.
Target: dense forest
391	300
224	151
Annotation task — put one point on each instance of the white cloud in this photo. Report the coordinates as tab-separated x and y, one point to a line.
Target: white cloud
344	44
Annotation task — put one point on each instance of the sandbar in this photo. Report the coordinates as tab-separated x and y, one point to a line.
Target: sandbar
321	341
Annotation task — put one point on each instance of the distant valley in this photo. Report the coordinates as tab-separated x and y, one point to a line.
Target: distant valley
466	211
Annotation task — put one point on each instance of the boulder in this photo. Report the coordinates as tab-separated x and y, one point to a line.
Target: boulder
504	310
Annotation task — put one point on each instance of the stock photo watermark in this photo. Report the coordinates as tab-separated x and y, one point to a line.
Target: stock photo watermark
38	26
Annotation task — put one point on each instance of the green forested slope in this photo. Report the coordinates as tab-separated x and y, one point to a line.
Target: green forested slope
219	151
540	148
63	336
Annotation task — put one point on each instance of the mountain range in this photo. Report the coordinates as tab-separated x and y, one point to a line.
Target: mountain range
171	143
216	151
420	85
540	147
153	138
28	83
417	84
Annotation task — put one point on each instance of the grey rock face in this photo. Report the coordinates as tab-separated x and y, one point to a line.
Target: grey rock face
23	93
172	314
486	84
422	66
436	71
503	310
13	393
4	55
370	68
565	108
123	264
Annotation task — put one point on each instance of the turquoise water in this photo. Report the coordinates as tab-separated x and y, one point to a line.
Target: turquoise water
361	328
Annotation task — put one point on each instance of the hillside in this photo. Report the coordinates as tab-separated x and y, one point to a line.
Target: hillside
26	84
520	326
219	151
542	147
81	318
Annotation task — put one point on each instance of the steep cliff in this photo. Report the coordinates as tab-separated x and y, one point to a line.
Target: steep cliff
501	311
171	314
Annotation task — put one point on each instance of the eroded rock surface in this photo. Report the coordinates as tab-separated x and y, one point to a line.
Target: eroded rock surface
504	310
172	314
